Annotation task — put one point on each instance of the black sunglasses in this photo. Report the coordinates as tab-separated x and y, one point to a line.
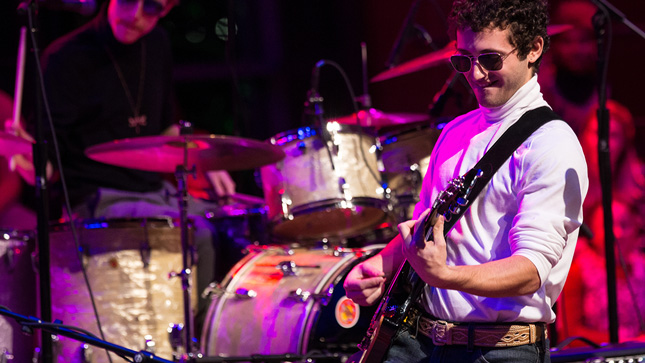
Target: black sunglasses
150	7
490	61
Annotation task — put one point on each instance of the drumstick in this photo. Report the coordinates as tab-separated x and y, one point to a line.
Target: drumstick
20	75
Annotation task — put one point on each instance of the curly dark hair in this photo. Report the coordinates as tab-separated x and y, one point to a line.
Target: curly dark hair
526	19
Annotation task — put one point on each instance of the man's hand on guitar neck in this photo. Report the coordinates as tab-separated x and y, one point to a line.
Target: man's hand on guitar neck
430	261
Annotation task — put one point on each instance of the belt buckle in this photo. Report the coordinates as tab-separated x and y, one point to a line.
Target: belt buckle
441	332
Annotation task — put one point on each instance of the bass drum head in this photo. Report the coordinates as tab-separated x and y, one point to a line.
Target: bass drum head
287	301
128	262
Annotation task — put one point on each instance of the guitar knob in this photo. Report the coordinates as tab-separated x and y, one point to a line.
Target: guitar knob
390	312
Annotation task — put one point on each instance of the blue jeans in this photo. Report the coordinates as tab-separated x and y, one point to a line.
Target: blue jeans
406	349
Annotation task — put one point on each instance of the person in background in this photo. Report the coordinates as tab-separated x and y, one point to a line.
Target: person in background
568	78
582	307
627	170
502	266
112	79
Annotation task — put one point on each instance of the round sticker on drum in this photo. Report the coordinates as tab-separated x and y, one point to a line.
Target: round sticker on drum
347	312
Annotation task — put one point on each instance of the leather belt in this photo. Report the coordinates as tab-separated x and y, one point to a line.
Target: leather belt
476	334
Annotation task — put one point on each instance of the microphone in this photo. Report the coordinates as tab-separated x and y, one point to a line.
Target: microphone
314	108
439	100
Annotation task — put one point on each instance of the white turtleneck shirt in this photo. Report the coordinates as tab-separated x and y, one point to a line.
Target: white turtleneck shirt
532	207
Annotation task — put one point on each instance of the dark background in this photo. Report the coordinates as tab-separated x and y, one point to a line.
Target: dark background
255	84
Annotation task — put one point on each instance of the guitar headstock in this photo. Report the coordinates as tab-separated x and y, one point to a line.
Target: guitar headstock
451	201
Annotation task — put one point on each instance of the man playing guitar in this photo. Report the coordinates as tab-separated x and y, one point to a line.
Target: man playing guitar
492	281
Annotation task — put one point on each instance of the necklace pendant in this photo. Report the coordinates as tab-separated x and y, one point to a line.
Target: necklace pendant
137	122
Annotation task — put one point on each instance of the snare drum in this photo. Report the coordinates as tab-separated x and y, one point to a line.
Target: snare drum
406	156
18	289
318	192
128	262
287	301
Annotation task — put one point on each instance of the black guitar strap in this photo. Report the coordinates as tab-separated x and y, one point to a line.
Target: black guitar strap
503	148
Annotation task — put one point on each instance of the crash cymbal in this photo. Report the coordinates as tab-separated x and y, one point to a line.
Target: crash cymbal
554	29
377	119
11	145
441	56
417	64
206	152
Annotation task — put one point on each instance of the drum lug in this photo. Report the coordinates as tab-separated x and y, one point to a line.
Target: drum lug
87	353
6	356
285	201
303	296
150	344
213	289
288	268
243	293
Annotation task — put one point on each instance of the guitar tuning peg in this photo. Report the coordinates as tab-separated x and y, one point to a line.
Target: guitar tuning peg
462	201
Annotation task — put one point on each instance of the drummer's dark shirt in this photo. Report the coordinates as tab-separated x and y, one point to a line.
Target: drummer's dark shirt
89	105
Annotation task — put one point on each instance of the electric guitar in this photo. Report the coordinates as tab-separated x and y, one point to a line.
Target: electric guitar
406	286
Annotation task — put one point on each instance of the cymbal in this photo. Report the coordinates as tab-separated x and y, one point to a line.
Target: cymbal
11	145
554	29
442	55
207	152
377	119
417	64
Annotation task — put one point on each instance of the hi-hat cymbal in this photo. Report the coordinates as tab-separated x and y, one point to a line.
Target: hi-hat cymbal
11	145
377	119
441	56
206	152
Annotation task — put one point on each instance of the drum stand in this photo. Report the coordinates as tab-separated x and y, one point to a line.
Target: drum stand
187	258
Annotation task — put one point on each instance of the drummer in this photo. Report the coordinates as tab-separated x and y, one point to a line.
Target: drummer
112	79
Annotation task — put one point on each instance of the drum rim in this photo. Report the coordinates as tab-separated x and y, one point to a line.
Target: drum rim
337	203
312	131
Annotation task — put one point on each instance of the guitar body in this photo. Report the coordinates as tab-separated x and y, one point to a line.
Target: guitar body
406	286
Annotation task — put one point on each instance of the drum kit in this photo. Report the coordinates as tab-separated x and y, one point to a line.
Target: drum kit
332	198
286	255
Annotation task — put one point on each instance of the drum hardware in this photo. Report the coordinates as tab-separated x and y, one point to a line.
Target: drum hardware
307	203
18	292
290	268
245	294
127	263
303	314
185	155
149	344
87	353
304	296
56	330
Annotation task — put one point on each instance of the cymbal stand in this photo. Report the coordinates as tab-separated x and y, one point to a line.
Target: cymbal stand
181	173
603	29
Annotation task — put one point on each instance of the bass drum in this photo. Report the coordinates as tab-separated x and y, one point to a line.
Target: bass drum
287	301
18	289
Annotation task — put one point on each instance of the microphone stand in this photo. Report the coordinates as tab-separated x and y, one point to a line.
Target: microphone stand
602	27
403	34
28	323
29	7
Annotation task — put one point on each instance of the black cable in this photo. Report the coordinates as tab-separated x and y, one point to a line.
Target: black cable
356	112
67	204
